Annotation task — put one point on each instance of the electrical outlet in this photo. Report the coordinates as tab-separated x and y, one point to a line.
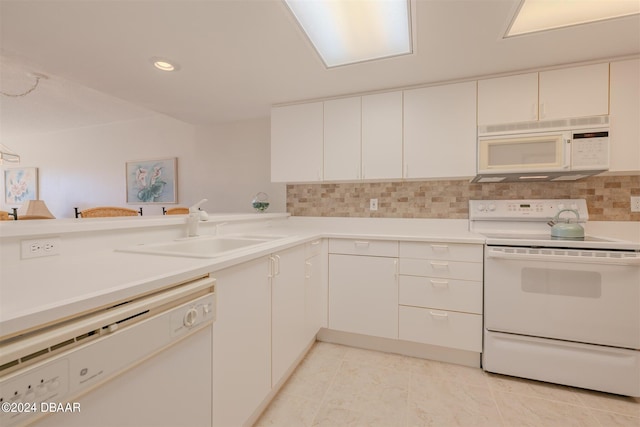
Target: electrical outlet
36	248
373	204
635	203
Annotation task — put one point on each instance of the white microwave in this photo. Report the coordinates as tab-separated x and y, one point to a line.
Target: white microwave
543	156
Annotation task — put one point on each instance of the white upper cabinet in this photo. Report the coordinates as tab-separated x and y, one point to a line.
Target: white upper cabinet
440	131
548	95
574	92
296	143
342	136
382	136
625	110
509	99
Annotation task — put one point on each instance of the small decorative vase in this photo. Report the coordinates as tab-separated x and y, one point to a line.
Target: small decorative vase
260	202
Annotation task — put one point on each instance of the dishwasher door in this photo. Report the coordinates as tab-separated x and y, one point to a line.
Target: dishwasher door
146	362
171	389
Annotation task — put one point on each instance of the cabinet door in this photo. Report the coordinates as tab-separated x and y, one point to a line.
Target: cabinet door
241	342
440	131
288	339
342	123
296	143
382	136
625	110
363	295
509	99
315	296
574	92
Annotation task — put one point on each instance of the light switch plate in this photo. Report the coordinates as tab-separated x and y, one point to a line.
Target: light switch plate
635	203
373	204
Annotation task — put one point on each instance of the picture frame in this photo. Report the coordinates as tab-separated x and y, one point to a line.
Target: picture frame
152	181
20	185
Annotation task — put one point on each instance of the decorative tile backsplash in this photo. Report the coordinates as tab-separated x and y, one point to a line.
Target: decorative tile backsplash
608	197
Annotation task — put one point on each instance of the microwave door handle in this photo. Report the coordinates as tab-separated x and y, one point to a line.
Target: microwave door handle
566	161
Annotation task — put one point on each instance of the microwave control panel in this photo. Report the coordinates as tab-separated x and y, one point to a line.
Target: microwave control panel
590	150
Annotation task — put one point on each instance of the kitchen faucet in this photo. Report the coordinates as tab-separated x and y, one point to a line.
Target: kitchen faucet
194	219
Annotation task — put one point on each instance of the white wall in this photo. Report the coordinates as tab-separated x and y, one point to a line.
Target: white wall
234	162
85	167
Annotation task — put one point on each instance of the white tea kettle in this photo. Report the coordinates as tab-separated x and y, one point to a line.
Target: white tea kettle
566	229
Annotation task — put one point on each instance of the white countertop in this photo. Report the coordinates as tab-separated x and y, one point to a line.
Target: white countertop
59	287
35	292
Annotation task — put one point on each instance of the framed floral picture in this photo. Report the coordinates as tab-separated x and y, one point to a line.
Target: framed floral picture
152	181
20	185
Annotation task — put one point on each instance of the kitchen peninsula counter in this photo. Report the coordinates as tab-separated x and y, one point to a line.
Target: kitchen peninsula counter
90	273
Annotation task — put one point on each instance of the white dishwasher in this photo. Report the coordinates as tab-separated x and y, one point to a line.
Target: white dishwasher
144	362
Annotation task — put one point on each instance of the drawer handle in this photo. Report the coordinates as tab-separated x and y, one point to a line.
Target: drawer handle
439	283
439	264
440	247
361	243
315	243
438	314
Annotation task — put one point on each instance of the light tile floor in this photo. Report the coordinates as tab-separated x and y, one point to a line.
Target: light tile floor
338	386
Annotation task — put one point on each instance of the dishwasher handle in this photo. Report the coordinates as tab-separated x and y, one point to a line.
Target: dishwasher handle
578	256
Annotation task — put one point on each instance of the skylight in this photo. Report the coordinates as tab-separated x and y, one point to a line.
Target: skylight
349	31
541	15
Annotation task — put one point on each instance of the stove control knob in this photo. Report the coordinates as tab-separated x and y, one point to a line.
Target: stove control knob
481	207
190	317
492	207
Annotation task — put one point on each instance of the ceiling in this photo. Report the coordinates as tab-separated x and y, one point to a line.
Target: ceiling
239	57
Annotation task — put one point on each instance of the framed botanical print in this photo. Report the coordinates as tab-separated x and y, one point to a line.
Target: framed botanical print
152	181
20	185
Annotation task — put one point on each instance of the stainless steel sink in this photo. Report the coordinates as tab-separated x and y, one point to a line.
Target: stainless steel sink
204	246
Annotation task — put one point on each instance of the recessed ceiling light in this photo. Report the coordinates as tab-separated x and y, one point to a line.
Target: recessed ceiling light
541	15
164	64
347	31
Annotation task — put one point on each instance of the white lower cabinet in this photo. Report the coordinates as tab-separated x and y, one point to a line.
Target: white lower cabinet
316	292
270	309
262	328
440	294
289	334
363	289
443	328
460	295
241	342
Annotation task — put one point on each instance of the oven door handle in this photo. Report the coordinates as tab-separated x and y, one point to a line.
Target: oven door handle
633	260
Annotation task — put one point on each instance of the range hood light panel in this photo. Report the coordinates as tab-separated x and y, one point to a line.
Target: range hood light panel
347	32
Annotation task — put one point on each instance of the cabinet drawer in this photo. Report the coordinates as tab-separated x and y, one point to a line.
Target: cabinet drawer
443	294
441	251
442	328
442	269
313	248
388	248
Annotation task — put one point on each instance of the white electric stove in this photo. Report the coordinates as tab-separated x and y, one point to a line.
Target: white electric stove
559	310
